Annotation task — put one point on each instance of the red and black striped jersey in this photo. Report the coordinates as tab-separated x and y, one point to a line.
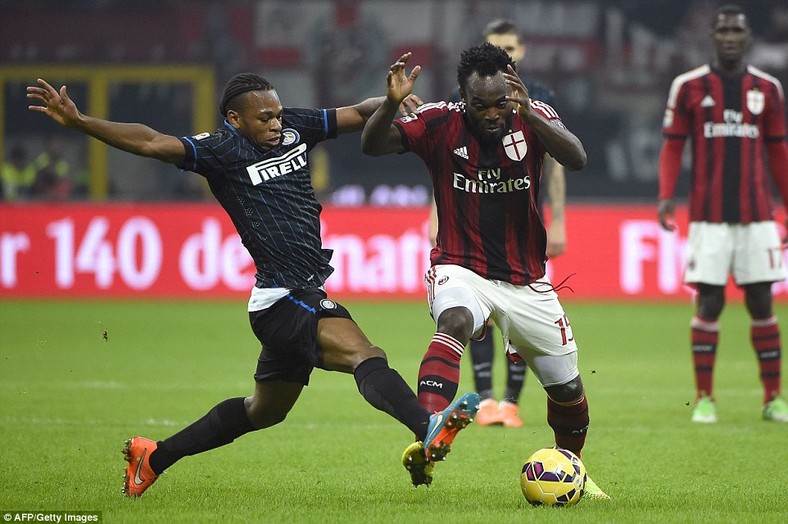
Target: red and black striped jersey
728	120
487	194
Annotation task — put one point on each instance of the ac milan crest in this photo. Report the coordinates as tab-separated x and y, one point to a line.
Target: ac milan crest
514	145
755	101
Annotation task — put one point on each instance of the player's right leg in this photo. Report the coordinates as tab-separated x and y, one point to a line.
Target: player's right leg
419	458
444	426
279	379
458	307
139	475
224	423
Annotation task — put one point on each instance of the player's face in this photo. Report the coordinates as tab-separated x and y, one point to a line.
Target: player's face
259	118
730	35
486	106
509	43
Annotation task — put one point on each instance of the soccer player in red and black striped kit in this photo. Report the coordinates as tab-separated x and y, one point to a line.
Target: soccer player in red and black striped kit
257	166
485	156
731	112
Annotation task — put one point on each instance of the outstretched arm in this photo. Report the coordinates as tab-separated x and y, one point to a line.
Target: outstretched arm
560	143
352	118
138	139
380	137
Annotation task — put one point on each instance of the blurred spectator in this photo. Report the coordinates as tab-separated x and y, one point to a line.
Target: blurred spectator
52	172
17	175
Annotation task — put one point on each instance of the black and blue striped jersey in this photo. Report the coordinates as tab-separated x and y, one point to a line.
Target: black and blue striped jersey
268	195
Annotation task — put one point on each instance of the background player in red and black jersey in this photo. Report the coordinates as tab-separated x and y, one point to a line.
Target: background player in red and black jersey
731	112
485	158
257	166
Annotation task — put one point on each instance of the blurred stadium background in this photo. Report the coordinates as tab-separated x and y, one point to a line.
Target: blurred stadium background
164	63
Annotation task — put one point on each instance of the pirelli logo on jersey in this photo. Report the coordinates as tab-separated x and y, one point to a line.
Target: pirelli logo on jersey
293	160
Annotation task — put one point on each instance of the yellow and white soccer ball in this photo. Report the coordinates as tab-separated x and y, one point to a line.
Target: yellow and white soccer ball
553	477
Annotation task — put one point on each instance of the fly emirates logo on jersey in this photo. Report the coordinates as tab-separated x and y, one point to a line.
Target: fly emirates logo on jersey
732	127
489	181
273	167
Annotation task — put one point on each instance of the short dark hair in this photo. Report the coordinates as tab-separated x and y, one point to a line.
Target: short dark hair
238	85
485	59
728	9
500	26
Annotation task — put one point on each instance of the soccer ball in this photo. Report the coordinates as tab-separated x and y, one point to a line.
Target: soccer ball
553	477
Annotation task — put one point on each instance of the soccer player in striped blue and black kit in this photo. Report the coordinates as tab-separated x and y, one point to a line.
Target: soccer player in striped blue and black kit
257	166
732	113
485	158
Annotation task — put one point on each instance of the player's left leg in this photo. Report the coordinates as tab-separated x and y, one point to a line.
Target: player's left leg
509	407
567	414
765	337
344	347
482	354
537	328
758	262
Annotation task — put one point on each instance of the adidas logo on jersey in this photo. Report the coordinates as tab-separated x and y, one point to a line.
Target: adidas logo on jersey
707	101
462	152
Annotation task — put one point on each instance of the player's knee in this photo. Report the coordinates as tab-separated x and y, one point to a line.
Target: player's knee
265	412
347	358
758	298
367	352
262	415
711	301
568	392
456	322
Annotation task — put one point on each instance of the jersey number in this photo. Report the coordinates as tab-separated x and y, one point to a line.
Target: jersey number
566	331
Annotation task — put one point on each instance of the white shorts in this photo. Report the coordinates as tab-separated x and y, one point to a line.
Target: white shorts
752	253
531	319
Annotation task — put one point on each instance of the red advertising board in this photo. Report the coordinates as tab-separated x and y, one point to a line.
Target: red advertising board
192	250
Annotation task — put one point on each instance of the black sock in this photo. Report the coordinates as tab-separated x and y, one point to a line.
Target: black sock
221	425
385	390
482	358
515	380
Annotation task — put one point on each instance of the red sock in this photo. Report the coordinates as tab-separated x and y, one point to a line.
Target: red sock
704	337
569	421
439	373
765	336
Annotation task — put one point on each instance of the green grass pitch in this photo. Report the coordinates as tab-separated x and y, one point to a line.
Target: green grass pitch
77	378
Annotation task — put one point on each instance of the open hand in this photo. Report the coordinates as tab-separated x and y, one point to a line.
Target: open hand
519	94
400	85
56	105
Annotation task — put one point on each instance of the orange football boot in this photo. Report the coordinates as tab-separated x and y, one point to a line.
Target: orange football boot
139	475
510	415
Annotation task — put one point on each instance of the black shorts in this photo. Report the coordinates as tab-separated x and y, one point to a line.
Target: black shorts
288	332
